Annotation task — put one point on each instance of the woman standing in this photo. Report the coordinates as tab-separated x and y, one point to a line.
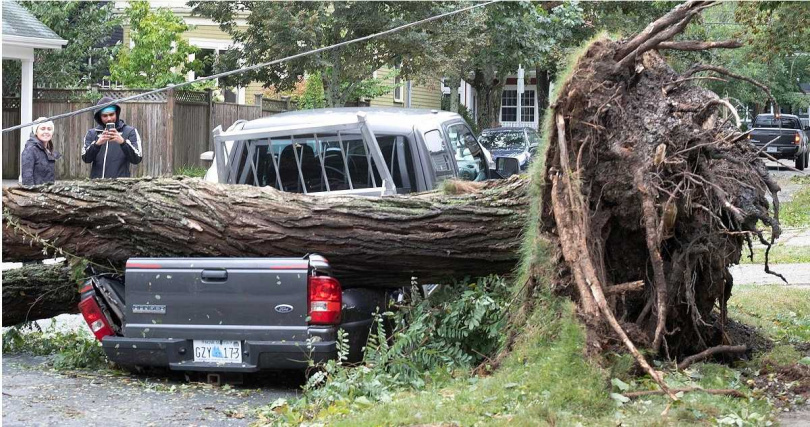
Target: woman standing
38	156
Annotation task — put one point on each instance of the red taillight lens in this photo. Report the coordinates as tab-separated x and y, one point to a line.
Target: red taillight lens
797	139
325	300
95	318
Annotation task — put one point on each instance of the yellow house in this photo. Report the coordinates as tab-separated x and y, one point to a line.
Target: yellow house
206	35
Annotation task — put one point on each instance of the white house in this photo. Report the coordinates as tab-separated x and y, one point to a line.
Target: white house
22	33
526	115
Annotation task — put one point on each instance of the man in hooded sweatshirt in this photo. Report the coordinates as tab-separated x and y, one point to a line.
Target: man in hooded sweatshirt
111	150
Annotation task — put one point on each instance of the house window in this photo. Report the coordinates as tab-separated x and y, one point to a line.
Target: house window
397	86
509	106
527	104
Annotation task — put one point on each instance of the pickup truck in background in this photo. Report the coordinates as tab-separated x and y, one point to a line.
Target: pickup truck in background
782	136
249	314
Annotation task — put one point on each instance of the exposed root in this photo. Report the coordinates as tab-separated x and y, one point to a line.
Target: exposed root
703	355
722	392
693	45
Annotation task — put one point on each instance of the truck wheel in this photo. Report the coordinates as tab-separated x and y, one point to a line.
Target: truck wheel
801	162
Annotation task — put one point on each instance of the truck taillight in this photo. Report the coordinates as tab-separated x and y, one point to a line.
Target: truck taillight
95	318
797	139
325	300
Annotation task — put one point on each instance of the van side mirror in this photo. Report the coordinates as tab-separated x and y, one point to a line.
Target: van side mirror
208	156
507	166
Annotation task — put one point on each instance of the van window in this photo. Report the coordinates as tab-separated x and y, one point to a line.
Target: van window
439	155
468	167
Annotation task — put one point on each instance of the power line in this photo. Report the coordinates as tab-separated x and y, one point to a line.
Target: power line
254	67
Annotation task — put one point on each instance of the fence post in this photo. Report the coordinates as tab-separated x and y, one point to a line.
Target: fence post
210	124
286	100
169	114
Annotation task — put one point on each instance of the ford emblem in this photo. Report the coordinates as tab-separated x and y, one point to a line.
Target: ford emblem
284	308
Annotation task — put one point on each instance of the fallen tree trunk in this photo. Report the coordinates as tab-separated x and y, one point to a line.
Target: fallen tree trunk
38	291
368	241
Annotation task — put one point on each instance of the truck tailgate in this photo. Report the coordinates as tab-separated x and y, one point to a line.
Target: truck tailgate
217	298
762	136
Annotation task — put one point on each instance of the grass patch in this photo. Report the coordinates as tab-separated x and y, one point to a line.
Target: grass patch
192	171
796	212
547	380
800	179
70	349
780	254
779	312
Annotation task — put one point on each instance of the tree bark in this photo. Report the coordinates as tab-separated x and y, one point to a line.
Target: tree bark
489	89
543	83
368	241
38	291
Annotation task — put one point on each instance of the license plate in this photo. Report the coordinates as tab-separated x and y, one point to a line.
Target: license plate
773	150
218	351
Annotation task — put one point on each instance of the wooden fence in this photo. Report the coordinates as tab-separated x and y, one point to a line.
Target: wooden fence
175	127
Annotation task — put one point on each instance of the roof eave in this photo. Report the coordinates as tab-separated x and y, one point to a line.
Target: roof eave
33	42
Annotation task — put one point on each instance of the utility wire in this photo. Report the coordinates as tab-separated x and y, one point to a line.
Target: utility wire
254	67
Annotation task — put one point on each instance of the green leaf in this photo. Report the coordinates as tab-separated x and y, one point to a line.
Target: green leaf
621	385
619	398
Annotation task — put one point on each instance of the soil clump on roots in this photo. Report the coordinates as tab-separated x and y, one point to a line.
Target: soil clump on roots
651	192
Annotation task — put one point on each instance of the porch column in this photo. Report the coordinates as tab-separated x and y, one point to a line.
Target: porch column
26	103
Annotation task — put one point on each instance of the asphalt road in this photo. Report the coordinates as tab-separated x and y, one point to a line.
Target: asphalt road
35	395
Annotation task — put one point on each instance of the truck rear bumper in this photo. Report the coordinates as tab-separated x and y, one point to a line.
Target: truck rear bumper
782	151
178	354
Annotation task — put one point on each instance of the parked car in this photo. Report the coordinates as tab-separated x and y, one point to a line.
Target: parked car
520	143
782	136
248	314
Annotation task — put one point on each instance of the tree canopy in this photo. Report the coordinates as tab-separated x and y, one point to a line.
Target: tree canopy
160	55
344	71
87	27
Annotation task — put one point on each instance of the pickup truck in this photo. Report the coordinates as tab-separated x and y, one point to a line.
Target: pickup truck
227	314
781	136
248	314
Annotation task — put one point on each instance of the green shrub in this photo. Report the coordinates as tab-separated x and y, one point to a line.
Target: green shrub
458	327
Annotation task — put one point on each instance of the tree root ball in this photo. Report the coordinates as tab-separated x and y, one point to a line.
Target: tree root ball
647	178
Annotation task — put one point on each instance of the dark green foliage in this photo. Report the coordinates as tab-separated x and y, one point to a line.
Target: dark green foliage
457	327
87	26
269	35
159	55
